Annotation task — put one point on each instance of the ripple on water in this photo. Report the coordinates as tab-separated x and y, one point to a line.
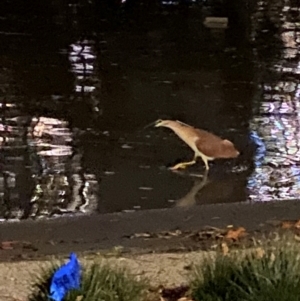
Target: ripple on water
277	121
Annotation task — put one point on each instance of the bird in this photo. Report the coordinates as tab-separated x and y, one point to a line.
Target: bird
204	144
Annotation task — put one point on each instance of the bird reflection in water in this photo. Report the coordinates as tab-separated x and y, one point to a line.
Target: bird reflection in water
214	188
189	199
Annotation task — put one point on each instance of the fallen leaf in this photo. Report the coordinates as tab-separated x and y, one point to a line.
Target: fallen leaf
288	224
175	233
79	298
29	246
7	245
236	234
297	237
141	235
185	299
169	234
225	249
297	224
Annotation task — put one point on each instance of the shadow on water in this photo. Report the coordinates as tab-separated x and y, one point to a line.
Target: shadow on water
79	81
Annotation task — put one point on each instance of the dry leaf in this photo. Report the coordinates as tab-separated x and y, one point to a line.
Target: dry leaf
185	299
236	234
79	298
169	234
225	249
7	245
297	237
260	252
141	235
287	224
175	233
297	224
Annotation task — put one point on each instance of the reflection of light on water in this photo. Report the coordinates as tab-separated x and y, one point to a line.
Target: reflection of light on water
277	122
59	188
85	89
51	137
289	39
260	148
7	105
279	127
11	161
170	2
82	59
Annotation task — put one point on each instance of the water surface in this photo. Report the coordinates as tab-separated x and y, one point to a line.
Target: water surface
79	81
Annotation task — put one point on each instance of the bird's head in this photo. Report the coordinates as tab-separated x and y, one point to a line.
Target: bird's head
161	122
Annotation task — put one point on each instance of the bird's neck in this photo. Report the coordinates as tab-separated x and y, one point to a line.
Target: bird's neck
175	127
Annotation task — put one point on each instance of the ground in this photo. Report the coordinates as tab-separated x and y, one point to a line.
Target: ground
158	244
161	269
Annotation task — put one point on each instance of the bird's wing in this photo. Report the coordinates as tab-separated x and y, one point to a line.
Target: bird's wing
213	146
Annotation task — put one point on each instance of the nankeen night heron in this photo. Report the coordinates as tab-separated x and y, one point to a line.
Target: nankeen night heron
205	145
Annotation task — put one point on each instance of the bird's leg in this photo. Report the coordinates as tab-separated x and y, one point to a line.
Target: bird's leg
206	163
184	164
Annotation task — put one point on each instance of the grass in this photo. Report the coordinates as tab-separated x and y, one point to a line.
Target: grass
271	273
267	273
99	282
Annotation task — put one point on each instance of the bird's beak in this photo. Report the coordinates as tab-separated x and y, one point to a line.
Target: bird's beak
150	124
156	123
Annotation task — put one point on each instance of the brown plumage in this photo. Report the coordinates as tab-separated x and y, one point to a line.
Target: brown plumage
205	145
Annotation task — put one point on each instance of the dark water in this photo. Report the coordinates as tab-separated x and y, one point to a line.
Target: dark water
79	81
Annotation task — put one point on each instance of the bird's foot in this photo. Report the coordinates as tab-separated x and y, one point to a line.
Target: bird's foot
178	166
182	165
